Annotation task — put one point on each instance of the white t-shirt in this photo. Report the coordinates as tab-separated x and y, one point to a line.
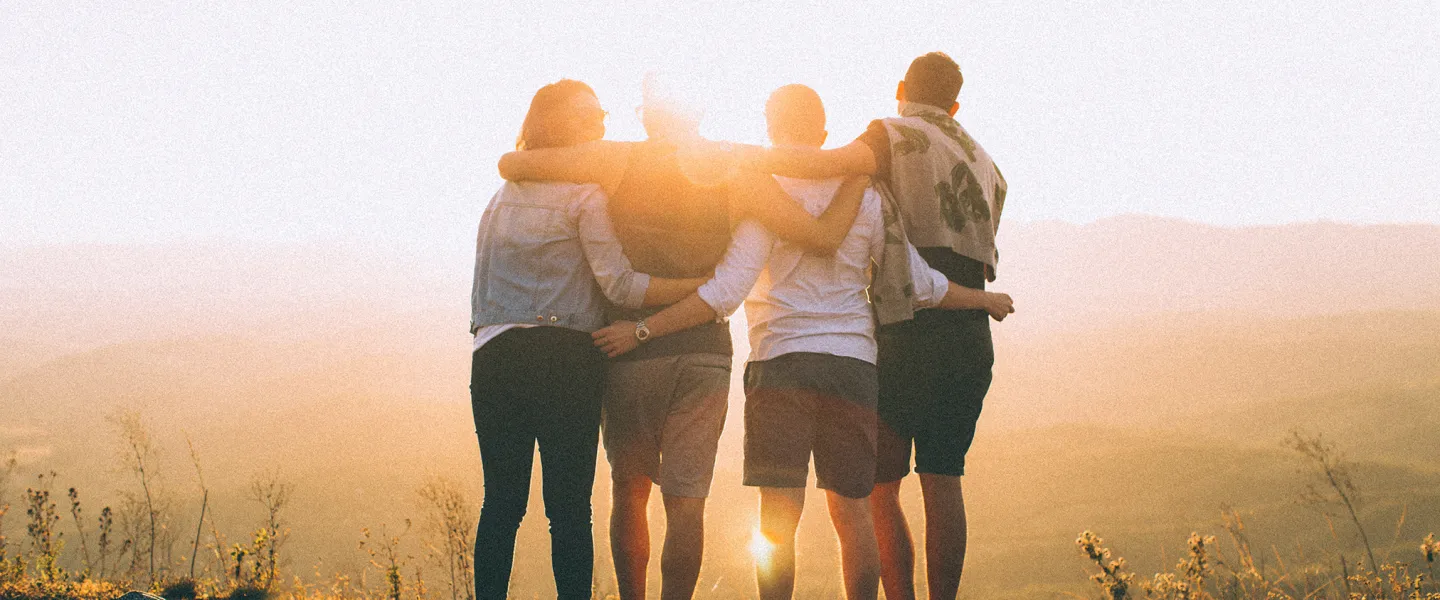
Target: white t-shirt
802	303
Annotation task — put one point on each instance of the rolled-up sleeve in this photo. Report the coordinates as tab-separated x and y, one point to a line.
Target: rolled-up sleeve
617	278
738	270
930	285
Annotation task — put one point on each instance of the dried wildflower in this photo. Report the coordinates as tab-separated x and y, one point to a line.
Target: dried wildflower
1112	577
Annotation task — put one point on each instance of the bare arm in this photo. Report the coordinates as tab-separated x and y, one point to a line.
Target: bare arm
664	291
959	297
855	158
619	337
601	162
760	198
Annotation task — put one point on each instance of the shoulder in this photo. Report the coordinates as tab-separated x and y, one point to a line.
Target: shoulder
888	123
876	134
966	132
549	192
813	194
871	206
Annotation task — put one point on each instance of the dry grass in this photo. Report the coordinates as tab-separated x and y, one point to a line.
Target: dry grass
1208	572
432	559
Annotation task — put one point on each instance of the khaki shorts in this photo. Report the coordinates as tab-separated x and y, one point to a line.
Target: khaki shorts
662	419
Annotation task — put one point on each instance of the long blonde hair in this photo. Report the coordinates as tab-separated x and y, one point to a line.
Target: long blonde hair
543	128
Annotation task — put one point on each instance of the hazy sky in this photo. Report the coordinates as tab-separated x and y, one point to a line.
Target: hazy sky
154	122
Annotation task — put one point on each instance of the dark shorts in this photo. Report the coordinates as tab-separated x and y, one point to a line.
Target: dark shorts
803	402
934	373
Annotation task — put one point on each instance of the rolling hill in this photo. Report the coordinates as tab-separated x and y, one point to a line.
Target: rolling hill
1149	377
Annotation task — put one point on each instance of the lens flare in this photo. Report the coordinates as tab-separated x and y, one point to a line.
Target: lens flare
761	548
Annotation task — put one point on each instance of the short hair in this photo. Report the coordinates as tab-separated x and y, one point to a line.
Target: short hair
543	127
933	79
796	112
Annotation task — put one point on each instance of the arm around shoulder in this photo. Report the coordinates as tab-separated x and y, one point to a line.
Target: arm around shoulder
760	198
855	158
601	162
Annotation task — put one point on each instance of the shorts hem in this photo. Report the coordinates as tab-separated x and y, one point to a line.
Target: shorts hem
846	493
773	483
943	472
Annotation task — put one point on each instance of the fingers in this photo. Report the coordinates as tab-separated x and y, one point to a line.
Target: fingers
615	348
1001	306
613	342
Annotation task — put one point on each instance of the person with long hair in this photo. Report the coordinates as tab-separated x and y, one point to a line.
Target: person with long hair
547	259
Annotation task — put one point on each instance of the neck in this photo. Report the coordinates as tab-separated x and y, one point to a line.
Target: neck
915	108
676	137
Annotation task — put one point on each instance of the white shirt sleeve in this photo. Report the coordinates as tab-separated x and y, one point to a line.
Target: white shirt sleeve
738	270
930	285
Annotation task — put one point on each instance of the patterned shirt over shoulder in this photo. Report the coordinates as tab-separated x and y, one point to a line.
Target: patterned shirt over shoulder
949	192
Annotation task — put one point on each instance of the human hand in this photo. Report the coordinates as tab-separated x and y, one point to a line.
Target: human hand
999	305
616	339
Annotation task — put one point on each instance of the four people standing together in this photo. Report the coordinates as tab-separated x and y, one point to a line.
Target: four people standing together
862	270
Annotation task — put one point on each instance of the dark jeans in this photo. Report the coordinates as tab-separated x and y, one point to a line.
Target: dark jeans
534	385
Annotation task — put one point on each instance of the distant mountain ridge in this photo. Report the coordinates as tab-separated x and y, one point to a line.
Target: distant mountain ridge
1063	276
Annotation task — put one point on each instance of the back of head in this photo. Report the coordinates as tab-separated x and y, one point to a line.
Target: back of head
933	79
795	116
548	123
666	111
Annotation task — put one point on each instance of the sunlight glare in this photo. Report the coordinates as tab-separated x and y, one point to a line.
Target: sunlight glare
761	548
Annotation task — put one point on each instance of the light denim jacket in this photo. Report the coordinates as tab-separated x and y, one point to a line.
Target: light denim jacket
547	255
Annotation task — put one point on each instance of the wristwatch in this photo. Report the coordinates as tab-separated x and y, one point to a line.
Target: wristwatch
642	333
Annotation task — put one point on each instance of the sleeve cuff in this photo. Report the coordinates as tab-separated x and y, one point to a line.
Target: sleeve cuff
939	285
714	298
635	297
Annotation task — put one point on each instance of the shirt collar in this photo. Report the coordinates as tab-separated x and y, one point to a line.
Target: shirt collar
916	109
